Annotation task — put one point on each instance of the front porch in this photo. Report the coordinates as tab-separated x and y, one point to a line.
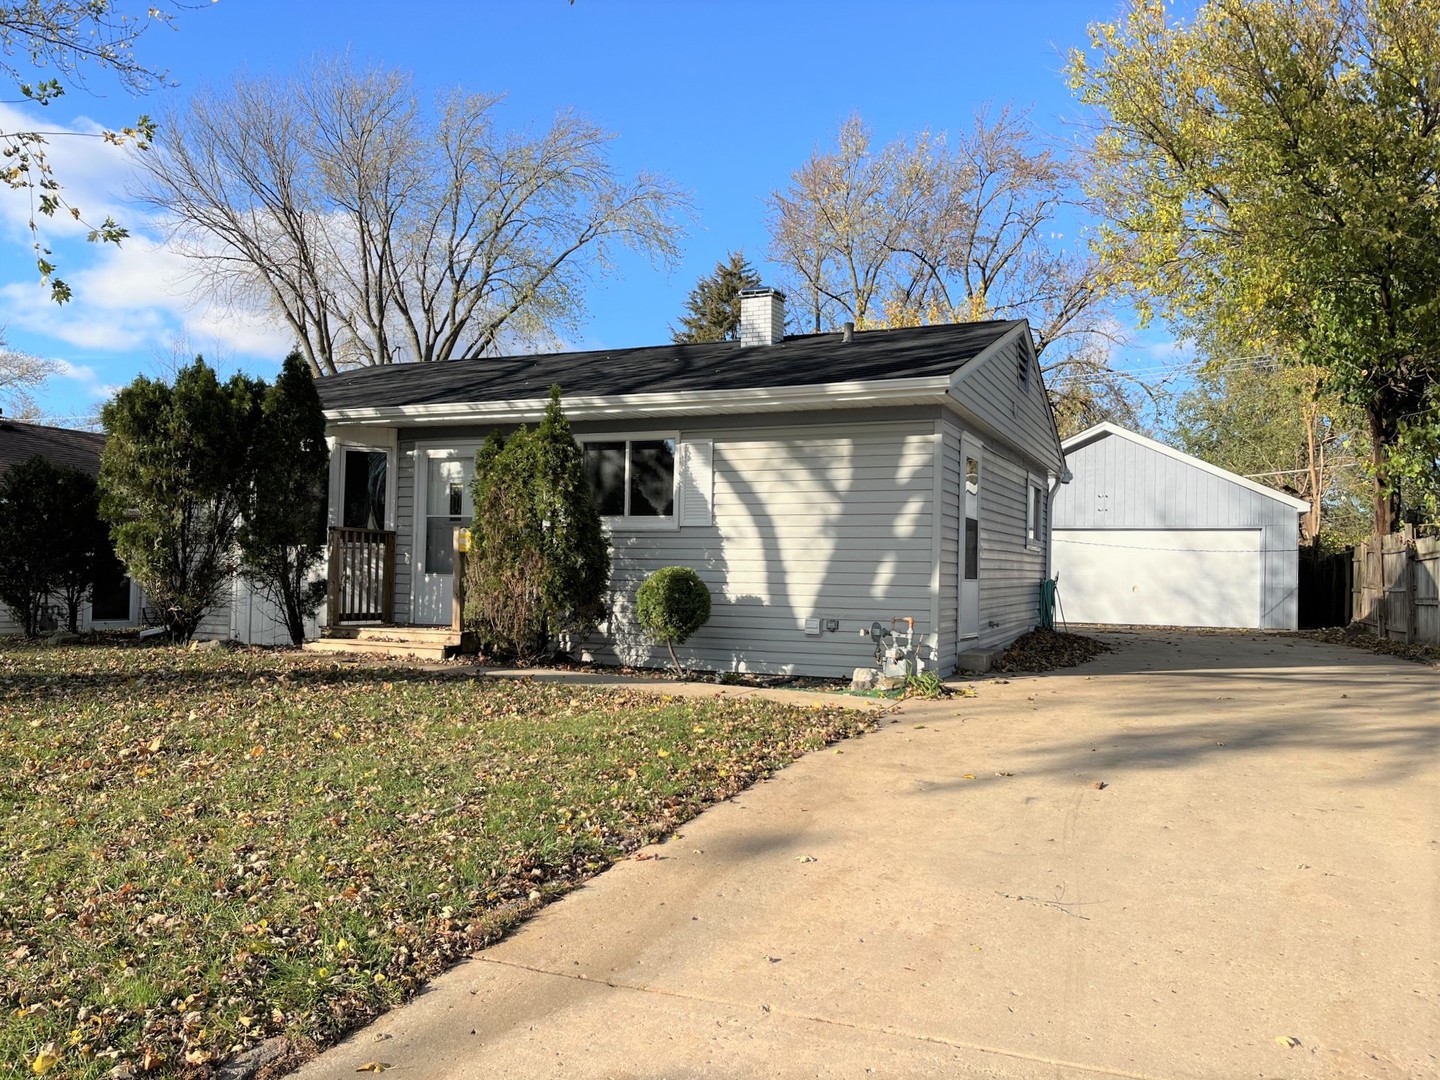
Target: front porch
360	603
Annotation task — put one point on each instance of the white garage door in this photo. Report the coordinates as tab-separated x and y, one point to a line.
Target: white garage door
1159	577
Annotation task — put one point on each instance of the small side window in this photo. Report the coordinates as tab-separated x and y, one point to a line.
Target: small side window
1034	511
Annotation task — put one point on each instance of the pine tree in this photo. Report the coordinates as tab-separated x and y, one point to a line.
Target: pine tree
283	538
713	309
174	480
539	561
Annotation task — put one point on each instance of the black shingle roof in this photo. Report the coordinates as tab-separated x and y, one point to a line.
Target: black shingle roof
61	446
913	352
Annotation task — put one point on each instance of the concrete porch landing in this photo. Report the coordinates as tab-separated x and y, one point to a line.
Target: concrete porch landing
417	642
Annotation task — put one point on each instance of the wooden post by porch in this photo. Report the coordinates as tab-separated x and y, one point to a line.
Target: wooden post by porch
461	540
332	602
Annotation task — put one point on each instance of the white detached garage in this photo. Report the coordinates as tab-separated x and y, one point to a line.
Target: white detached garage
1146	535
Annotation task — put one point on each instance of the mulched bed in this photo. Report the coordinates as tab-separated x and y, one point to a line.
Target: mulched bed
1046	650
1335	635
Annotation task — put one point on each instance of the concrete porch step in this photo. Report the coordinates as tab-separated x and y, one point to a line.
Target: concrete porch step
413	650
428	634
977	661
418	642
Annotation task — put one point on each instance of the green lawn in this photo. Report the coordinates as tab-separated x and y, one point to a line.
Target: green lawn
203	850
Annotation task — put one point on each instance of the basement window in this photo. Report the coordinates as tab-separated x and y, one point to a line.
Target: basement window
633	480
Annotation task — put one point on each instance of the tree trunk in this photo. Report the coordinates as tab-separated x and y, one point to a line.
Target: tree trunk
1384	502
294	619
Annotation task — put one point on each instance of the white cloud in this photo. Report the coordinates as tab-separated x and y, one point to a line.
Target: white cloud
89	379
140	296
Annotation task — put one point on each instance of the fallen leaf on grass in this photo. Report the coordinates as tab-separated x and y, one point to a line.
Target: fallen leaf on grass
969	776
44	1061
374	1066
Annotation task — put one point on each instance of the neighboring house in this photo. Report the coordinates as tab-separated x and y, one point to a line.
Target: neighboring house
1147	535
81	450
817	483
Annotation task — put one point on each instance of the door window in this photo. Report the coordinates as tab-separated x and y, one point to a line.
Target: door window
972	519
448	504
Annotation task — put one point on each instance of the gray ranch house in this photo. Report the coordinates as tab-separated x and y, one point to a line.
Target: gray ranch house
818	483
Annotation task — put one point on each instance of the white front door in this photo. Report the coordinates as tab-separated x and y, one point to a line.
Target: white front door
444	503
971	477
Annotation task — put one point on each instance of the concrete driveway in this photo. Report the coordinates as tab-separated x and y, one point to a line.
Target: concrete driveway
1255	892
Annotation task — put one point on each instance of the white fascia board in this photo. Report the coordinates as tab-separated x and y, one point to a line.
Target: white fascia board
916	391
1105	427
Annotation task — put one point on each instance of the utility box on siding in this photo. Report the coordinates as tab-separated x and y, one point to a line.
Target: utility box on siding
1146	535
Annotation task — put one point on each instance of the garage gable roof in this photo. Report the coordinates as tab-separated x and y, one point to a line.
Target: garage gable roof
1105	429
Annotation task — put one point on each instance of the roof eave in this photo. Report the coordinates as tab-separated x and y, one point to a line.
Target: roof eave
860	394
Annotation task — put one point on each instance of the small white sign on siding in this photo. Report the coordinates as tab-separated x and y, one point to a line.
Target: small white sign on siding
697	482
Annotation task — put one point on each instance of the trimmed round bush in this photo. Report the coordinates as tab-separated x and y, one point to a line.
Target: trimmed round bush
671	604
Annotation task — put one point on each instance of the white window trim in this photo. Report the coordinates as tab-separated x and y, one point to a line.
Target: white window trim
622	523
1033	539
337	477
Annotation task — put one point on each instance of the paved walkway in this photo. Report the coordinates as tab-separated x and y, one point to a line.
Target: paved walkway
1254	892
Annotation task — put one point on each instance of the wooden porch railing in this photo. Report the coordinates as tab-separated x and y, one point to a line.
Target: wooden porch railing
362	575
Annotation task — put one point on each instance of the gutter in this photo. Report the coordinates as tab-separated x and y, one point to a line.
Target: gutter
928	390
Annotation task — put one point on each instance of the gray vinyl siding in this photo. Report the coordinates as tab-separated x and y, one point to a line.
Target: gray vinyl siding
216	623
1010	570
950	526
1119	484
823	522
1019	414
404	528
251	616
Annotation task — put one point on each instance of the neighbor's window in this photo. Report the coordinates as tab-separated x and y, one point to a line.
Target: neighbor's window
632	478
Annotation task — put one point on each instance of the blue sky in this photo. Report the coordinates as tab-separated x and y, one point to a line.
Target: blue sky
724	98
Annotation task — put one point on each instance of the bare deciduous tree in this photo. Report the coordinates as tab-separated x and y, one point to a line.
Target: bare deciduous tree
20	373
381	233
934	230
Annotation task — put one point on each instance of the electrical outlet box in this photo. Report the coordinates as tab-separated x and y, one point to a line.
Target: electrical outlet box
832	625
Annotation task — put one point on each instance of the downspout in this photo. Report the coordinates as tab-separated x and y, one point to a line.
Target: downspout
1064	477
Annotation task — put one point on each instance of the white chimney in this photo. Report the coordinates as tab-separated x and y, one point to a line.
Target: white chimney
762	316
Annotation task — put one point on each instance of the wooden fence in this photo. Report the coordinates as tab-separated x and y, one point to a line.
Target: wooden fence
1397	587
